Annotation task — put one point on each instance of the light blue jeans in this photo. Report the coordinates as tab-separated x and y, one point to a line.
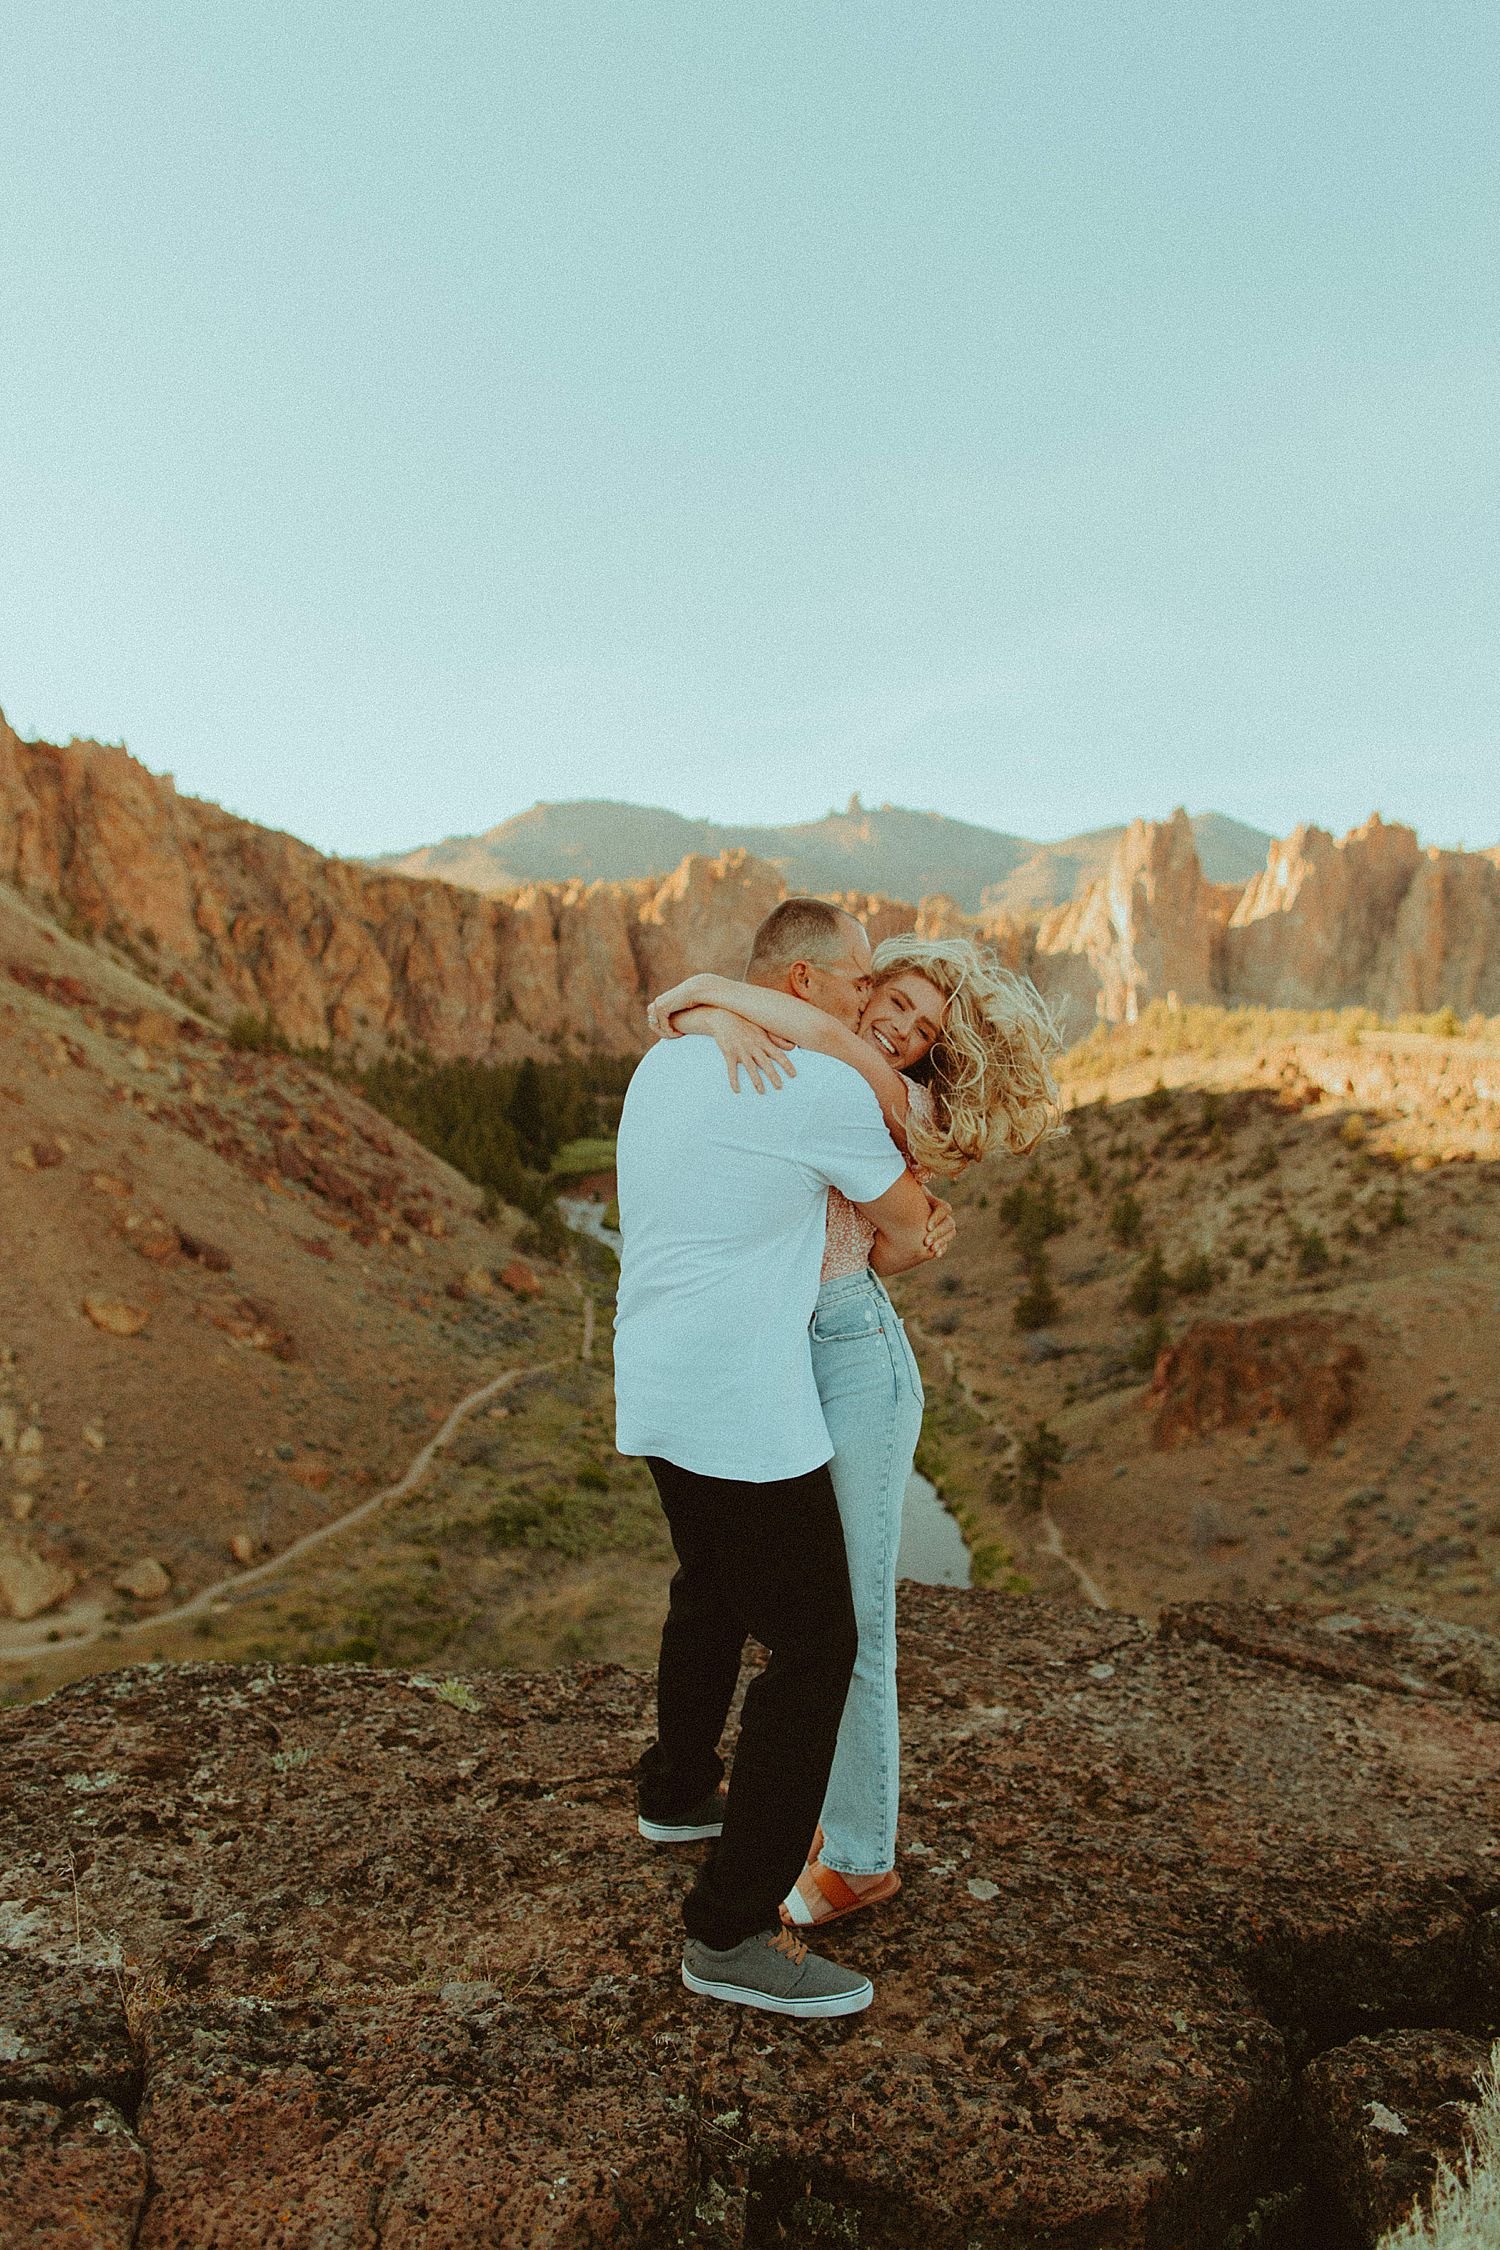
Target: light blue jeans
872	1402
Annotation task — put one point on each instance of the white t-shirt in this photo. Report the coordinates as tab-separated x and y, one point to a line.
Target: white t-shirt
723	1201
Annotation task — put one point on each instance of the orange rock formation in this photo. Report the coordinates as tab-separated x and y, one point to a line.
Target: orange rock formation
237	917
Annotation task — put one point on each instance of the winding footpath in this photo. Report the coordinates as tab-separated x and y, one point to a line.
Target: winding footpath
56	1642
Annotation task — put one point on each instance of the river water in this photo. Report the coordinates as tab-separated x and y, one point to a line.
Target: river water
932	1549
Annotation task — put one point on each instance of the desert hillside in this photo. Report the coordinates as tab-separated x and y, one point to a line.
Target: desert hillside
235	1302
1235	1332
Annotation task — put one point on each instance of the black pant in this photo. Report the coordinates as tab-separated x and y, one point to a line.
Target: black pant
766	1559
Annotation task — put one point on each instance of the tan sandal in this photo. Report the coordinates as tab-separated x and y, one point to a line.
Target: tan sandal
839	1895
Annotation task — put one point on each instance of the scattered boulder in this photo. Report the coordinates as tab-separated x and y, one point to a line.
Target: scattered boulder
115	1316
153	1028
32	1583
242	1547
38	1156
519	1278
205	1254
146	1580
1229	1374
158	1242
250	1322
1381	2115
314	1476
478	1281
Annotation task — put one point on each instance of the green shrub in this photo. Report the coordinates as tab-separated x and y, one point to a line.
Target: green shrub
1034	1212
1126	1219
1312	1250
513	1521
547	1235
1038	1303
1196	1275
1148	1289
250	1034
1158	1103
1038	1464
1149	1345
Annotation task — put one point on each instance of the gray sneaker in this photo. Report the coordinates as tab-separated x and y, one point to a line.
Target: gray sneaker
706	1819
774	1970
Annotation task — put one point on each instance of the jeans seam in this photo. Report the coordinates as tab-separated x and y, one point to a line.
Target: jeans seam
899	1369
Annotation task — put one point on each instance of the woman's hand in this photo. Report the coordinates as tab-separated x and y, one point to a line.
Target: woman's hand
941	1229
745	1046
660	1011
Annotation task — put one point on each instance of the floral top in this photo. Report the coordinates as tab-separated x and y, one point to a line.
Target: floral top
847	1244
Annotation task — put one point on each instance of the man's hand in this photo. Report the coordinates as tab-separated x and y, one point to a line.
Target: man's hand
744	1046
941	1227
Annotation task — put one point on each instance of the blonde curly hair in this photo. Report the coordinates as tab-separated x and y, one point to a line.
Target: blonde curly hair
990	1070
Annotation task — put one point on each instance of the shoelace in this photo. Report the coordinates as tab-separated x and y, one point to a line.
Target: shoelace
792	1947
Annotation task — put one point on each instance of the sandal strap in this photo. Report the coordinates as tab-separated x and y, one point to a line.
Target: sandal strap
839	1894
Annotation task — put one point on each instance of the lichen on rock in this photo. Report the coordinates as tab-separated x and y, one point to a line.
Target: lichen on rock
400	1967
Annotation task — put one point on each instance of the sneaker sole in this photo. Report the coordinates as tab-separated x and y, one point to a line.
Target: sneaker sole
746	1996
663	1832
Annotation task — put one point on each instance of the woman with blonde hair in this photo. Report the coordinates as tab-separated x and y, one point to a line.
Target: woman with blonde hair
958	1050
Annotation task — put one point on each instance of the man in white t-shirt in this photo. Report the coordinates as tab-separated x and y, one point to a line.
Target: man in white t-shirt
723	1206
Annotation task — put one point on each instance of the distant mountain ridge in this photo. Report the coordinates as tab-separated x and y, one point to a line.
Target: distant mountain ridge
887	848
235	919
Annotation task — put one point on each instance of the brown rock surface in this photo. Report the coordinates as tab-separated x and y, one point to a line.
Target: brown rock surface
1314	930
31	1583
1232	1374
1368	921
73	2179
1382	2114
146	1580
239	918
115	1316
1152	925
401	1971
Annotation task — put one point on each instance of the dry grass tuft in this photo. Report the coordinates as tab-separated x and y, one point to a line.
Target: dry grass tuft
1465	2209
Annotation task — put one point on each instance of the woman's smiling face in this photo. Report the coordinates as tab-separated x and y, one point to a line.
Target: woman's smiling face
902	1017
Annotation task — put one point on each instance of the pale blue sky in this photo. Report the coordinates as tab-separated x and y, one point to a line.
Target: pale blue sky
1041	413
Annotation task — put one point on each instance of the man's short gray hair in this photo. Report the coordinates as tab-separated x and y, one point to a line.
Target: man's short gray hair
799	929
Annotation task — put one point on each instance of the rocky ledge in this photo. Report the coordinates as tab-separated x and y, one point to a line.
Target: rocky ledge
328	1957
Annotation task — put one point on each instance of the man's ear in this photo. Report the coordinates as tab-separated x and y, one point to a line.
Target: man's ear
799	979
